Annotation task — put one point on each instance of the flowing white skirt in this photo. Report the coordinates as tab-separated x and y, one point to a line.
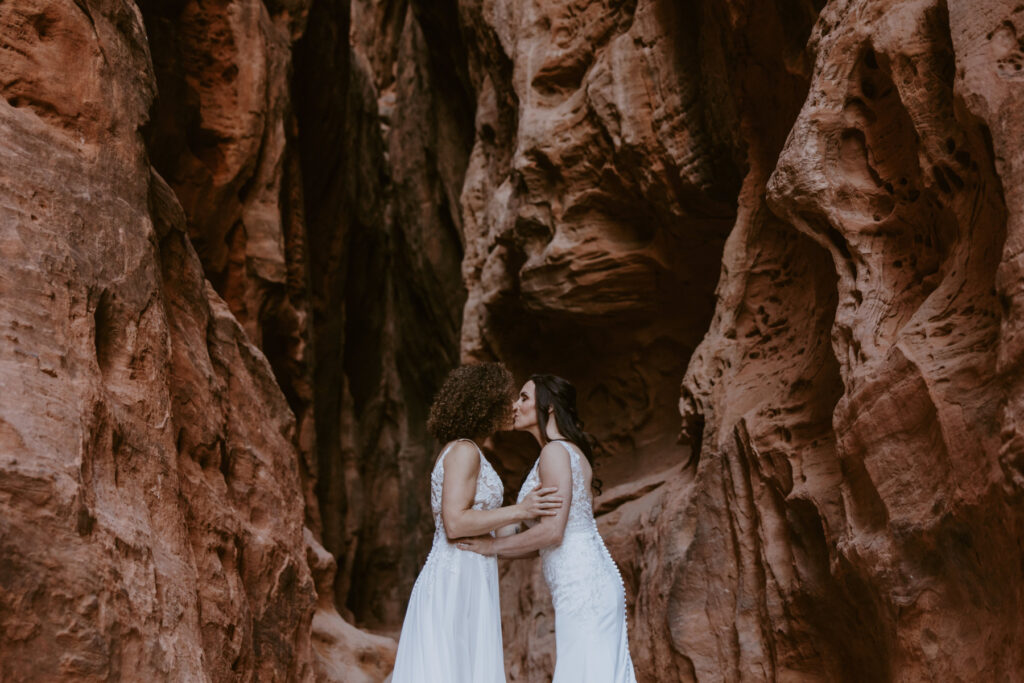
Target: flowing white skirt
452	627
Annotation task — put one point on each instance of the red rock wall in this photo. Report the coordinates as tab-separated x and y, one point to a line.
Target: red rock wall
244	242
150	485
383	147
151	526
845	503
867	512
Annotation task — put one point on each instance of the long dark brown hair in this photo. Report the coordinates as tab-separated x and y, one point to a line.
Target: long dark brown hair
551	391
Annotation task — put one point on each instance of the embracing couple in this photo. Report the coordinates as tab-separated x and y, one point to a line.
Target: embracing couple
452	628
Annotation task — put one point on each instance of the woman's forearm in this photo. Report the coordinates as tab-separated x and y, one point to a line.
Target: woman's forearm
528	542
521	555
466	523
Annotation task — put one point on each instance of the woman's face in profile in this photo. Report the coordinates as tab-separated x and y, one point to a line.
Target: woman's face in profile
524	411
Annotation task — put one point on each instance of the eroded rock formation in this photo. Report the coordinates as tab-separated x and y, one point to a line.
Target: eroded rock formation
150	521
152	504
383	149
851	506
862	478
244	241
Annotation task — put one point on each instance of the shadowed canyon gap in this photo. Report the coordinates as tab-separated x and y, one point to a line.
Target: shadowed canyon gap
777	244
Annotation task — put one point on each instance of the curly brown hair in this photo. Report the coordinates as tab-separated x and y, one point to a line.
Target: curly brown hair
474	402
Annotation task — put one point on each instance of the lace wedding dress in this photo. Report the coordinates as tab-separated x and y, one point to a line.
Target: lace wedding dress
452	628
587	591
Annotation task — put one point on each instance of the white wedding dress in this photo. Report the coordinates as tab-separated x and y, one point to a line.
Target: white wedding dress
452	627
591	645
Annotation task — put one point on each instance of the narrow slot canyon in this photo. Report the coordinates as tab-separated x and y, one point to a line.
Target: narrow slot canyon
775	244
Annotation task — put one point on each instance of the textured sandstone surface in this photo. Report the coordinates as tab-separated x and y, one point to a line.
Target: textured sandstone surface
151	498
891	508
777	244
219	132
150	521
383	155
851	504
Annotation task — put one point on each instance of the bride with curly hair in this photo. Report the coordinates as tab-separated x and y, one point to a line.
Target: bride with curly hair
452	627
591	640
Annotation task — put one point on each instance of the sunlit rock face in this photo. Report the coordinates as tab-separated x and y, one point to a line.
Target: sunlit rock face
152	503
152	517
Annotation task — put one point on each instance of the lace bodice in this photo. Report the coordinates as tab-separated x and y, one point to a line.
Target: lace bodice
444	555
581	506
489	489
580	571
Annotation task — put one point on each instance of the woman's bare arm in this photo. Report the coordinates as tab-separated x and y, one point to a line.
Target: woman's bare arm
461	468
556	471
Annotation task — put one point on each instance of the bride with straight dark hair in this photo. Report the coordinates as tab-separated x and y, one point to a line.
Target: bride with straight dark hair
586	588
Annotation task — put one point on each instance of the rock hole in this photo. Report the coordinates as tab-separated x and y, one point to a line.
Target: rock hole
43	25
225	461
954	177
84	521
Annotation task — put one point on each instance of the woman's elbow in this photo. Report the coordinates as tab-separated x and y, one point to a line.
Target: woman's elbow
554	538
454	529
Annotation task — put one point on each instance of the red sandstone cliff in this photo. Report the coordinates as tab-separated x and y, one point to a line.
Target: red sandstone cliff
775	243
150	483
